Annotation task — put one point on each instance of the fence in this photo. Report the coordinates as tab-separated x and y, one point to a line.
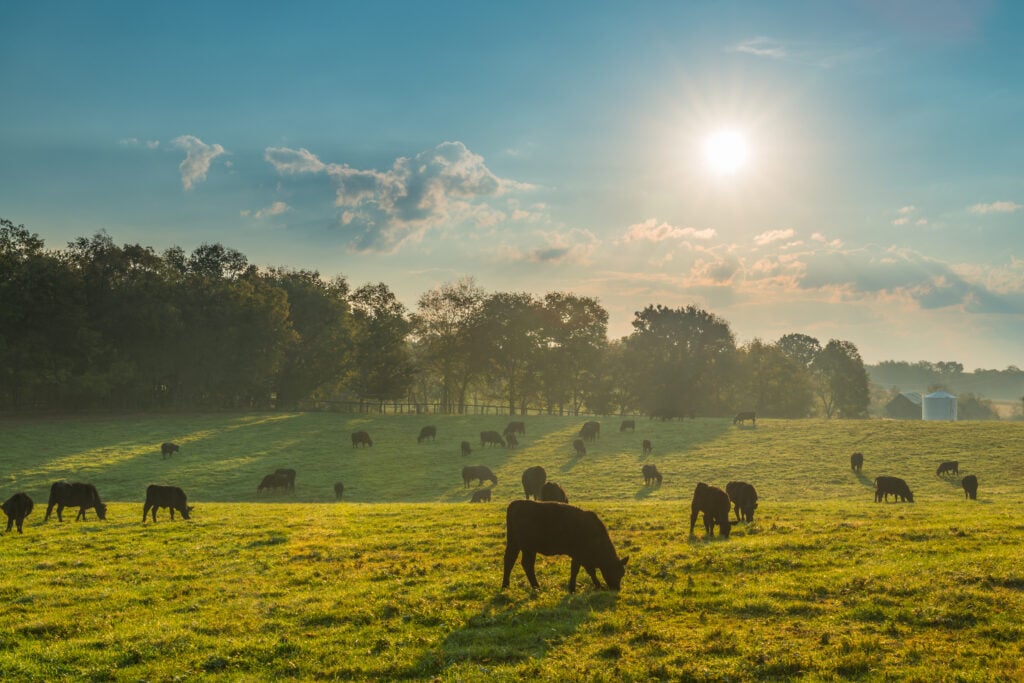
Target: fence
394	408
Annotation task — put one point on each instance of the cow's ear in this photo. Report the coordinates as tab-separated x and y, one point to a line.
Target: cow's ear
625	560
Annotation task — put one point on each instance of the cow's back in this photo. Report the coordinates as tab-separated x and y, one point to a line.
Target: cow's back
552	528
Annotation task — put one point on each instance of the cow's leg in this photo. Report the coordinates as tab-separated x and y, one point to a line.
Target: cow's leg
573	571
145	511
709	525
511	552
21	520
693	519
172	513
60	512
593	577
10	523
80	515
528	561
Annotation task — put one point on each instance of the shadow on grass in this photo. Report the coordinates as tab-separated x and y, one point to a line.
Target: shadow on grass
865	480
645	491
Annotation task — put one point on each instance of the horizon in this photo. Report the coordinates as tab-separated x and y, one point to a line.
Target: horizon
846	171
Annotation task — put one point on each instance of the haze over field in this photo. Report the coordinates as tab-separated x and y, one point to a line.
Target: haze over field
844	170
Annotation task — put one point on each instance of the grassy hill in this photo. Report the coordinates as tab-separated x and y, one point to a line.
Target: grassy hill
400	582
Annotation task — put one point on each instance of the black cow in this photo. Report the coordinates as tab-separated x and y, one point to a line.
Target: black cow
590	431
515	427
713	502
166	497
481	496
480	473
579	447
428	432
75	494
894	485
167	449
512	440
17	508
742	417
646	447
744	497
491	438
557	529
289	475
857	462
339	489
950	466
361	438
466	448
551	491
651	474
273	481
533	480
970	484
628	424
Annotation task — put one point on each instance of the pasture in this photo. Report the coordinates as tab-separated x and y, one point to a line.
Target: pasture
400	580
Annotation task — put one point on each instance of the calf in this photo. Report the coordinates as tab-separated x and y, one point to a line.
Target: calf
481	496
856	462
970	484
553	492
167	449
646	447
950	466
480	473
515	427
428	432
289	477
491	438
628	424
17	508
651	474
75	494
556	529
742	417
894	485
339	489
713	502
744	497
466	448
273	481
579	447
361	438
166	497
533	481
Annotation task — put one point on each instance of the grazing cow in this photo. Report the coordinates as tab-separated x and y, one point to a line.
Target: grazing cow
75	494
970	484
741	418
590	431
950	466
166	497
744	497
273	481
289	475
579	447
646	447
167	449
480	473
533	481
17	508
512	440
554	529
651	474
857	462
894	485
428	432
466	448
361	438
481	496
339	489
628	424
490	438
553	492
714	503
515	427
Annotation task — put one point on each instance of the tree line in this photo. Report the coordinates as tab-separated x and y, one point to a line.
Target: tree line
99	325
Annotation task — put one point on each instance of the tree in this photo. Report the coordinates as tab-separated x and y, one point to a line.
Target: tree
772	383
802	349
575	335
841	382
384	368
509	335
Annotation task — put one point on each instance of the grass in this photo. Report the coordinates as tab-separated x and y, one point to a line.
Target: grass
824	585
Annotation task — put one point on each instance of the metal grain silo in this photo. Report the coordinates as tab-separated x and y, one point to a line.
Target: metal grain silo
939	406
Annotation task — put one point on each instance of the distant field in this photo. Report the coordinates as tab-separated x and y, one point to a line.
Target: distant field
400	581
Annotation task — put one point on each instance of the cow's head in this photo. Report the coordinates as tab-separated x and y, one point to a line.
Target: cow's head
725	526
187	512
910	496
101	510
613	572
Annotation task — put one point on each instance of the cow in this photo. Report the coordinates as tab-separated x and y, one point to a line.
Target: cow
970	484
166	497
289	475
950	466
481	496
857	462
646	447
651	474
75	494
428	432
628	424
466	448
515	427
512	440
742	417
894	485
533	480
273	481
744	497
339	489
17	508
480	473
553	492
590	431
579	447
558	529
167	449
490	438
361	438
713	502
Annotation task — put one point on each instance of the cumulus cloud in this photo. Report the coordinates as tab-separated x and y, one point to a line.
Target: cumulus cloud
198	156
275	209
653	231
770	236
996	207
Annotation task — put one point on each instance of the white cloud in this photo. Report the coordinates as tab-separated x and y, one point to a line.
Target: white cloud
770	236
762	47
905	216
198	156
996	207
275	209
652	231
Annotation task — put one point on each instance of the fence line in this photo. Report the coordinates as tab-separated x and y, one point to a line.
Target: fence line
396	408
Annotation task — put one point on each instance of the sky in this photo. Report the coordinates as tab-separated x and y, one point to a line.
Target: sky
877	194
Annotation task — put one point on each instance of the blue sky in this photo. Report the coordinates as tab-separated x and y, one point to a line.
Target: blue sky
545	146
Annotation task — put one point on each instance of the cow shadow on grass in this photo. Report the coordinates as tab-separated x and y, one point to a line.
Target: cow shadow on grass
644	492
507	631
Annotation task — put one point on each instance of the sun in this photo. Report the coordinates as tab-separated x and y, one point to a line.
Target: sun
726	151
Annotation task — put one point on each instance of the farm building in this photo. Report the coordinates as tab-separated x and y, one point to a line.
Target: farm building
905	406
939	406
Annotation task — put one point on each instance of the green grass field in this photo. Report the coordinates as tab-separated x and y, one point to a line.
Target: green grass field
401	579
